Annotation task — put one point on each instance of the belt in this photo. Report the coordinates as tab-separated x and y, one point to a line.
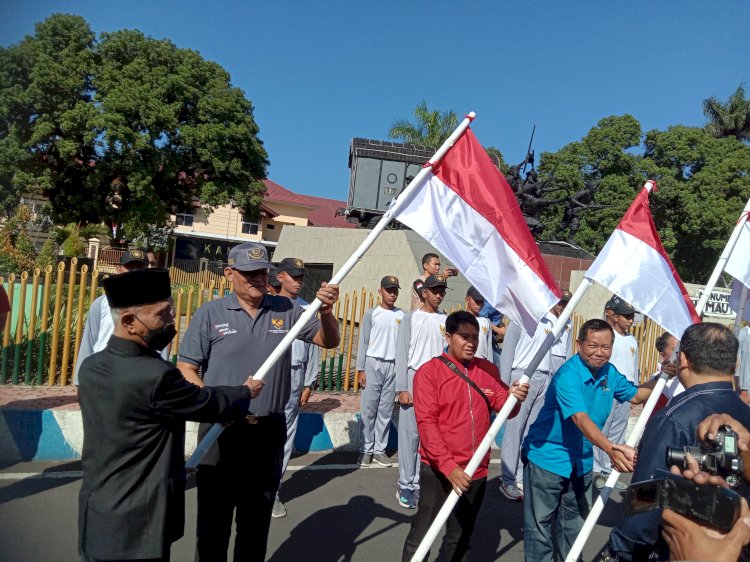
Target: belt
254	420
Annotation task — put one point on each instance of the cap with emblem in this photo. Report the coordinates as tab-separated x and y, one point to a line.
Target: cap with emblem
249	256
619	306
474	294
272	279
418	286
390	282
435	281
293	266
138	287
134	256
566	296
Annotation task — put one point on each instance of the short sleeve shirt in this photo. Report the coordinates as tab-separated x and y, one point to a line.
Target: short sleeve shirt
229	345
554	443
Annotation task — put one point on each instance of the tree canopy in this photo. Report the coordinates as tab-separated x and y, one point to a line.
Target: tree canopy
703	182
122	129
730	118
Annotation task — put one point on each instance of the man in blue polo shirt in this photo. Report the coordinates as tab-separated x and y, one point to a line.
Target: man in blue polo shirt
558	448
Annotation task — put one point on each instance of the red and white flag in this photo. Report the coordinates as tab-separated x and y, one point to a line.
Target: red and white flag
468	212
634	265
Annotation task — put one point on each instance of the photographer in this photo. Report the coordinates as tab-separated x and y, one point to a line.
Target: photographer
688	540
706	364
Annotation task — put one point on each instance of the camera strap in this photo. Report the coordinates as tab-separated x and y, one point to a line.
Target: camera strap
453	367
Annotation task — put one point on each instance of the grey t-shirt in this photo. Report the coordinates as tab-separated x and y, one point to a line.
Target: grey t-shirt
229	345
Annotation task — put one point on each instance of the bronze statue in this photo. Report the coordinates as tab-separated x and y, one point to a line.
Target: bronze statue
584	200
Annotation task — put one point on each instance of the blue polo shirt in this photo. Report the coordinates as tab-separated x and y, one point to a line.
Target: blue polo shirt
554	443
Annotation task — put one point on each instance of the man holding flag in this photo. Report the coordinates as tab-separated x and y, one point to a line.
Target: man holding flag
558	449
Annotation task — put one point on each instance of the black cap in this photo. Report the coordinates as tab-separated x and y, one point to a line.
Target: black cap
272	279
619	306
249	256
390	282
138	287
131	256
566	296
293	266
435	281
474	294
418	286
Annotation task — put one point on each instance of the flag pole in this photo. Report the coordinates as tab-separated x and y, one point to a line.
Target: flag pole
510	403
740	309
398	203
723	260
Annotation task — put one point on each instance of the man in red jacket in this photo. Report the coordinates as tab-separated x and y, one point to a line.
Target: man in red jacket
453	396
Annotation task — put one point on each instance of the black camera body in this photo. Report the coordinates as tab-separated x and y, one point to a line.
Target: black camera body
711	505
720	456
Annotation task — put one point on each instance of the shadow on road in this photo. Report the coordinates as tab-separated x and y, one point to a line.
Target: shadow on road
36	485
334	533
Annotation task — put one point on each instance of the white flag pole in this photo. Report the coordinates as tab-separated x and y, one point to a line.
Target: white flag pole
395	207
510	403
740	309
722	260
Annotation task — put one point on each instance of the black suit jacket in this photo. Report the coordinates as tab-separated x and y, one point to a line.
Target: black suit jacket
134	406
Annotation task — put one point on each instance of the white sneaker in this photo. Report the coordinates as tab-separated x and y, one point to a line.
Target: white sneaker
278	509
519	485
511	492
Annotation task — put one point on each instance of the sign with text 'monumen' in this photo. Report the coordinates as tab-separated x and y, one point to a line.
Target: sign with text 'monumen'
718	303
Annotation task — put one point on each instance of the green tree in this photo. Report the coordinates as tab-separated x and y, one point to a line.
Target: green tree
430	127
704	184
73	238
16	248
604	157
730	118
124	129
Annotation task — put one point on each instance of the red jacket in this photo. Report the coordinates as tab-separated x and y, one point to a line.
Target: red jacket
452	418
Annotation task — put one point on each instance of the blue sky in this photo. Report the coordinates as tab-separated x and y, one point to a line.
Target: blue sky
320	73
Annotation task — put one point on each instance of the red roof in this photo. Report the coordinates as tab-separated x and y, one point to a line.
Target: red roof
322	210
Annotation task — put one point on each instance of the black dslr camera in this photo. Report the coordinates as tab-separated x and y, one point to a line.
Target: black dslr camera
712	505
719	456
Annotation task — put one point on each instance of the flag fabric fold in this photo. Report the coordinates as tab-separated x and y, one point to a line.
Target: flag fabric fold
467	210
738	264
635	266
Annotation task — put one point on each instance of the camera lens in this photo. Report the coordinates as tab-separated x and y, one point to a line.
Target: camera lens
676	457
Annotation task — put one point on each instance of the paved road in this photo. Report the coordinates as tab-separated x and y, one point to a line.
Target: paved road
337	512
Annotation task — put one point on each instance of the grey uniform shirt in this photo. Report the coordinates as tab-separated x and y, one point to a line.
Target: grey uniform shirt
229	345
306	356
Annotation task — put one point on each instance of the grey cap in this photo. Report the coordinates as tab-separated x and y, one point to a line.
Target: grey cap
619	306
272	279
249	256
138	256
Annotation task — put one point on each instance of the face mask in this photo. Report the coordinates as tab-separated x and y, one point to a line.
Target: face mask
157	340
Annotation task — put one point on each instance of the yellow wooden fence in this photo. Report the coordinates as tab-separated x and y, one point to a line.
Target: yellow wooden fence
42	334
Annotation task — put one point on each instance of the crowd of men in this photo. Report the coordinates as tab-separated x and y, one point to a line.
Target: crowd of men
444	374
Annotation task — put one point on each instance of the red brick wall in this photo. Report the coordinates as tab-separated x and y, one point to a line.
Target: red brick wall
561	266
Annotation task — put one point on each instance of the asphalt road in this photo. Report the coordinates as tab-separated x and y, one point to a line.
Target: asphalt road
337	512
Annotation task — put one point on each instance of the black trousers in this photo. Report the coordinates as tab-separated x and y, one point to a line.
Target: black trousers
242	482
434	489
